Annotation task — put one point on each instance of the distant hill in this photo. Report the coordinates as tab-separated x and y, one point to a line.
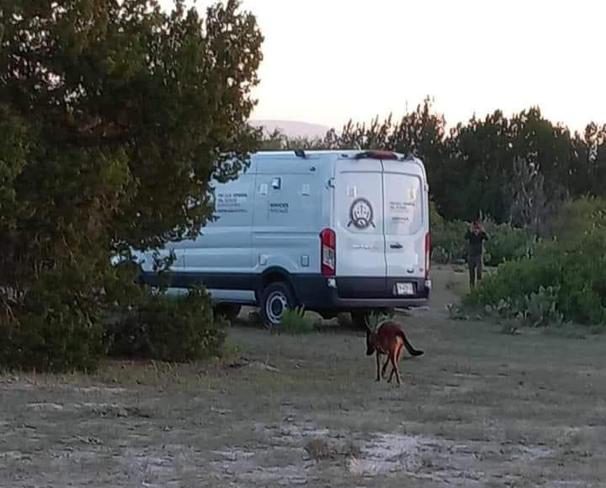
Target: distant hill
292	128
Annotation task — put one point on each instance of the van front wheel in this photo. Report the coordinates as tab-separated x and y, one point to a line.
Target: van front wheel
275	299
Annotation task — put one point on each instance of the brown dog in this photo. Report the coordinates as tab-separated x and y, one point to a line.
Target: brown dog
388	338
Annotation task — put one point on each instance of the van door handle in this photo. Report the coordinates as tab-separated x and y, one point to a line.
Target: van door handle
397	245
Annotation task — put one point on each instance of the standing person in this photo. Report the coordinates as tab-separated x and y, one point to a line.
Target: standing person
475	235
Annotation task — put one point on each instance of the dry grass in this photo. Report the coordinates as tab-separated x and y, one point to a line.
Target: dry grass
326	448
480	408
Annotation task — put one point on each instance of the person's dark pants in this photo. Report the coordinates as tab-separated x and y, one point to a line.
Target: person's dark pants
475	269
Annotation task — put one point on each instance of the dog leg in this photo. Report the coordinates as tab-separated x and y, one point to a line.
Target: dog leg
384	369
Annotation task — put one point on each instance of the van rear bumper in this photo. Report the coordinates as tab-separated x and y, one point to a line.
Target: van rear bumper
346	293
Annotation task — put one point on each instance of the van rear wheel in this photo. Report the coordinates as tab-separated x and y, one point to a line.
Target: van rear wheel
275	299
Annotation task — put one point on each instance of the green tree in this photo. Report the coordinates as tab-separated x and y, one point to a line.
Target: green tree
117	115
545	146
479	166
421	132
516	169
589	169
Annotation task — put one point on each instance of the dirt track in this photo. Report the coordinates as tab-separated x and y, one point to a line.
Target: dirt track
479	409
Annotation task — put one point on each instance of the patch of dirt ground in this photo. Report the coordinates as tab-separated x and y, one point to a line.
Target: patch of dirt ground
479	409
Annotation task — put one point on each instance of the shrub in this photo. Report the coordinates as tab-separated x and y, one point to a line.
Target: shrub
448	243
89	168
578	217
377	318
506	242
541	307
52	327
294	322
61	340
564	280
168	328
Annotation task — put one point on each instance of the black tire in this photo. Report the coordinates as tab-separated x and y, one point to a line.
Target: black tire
228	310
275	298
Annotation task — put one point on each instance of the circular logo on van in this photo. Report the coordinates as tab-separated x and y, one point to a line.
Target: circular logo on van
360	214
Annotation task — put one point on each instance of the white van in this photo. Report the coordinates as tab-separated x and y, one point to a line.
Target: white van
333	231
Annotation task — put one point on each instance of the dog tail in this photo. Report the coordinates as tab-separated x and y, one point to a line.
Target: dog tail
411	350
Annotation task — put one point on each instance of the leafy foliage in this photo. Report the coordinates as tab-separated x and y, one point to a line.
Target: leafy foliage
54	329
563	280
541	307
294	322
115	116
448	244
506	242
376	319
167	328
516	169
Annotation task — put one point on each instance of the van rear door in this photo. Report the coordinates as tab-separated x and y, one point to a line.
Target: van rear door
405	219
359	218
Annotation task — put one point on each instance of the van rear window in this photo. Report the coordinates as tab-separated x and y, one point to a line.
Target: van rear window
403	204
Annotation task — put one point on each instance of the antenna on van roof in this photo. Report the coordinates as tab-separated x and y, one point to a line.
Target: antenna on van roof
300	153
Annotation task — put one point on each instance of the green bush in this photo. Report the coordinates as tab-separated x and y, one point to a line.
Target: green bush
565	279
448	243
294	322
90	169
168	328
53	328
61	340
541	307
506	242
577	218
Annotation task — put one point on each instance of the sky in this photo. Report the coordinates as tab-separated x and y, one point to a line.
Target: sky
326	61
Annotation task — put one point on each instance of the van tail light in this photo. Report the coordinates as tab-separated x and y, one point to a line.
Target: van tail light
427	254
328	240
